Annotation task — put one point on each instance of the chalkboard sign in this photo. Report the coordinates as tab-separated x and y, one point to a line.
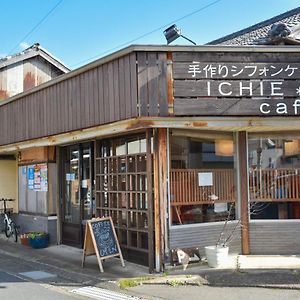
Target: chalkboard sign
105	239
101	240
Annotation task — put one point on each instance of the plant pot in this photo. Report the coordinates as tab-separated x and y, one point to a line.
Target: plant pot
39	241
216	256
24	239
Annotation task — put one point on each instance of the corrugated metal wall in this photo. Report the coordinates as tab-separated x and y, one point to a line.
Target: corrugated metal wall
201	235
25	75
267	237
275	237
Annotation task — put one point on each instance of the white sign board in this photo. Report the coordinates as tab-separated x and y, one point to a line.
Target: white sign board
205	179
220	207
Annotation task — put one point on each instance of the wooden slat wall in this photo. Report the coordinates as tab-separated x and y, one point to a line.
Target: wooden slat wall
201	235
102	95
185	189
192	96
274	184
275	237
152	84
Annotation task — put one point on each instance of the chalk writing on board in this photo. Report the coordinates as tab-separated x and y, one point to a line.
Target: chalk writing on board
105	239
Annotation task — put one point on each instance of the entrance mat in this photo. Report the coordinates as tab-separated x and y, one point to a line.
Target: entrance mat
102	294
38	275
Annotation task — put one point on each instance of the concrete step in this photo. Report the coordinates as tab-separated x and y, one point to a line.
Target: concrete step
269	261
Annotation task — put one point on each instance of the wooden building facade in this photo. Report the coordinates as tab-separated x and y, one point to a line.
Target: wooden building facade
165	140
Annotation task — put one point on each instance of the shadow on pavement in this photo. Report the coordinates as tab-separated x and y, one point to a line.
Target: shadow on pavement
257	278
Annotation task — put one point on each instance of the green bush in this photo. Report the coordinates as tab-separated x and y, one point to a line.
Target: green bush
33	235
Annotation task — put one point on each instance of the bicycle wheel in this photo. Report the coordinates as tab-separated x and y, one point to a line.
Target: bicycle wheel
15	232
7	229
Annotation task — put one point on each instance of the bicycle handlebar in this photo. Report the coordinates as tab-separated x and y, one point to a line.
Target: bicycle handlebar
4	200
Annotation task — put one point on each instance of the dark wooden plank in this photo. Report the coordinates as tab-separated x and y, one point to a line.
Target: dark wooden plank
142	84
96	97
90	99
77	113
86	99
111	99
70	104
234	107
236	70
101	95
106	94
163	85
234	56
235	88
83	107
59	110
152	70
127	96
117	106
122	88
66	105
133	82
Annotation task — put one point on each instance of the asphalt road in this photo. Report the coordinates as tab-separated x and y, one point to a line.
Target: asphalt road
210	293
14	287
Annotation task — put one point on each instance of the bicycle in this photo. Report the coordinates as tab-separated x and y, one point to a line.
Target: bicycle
10	227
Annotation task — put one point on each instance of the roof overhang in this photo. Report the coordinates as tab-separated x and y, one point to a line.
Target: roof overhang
209	124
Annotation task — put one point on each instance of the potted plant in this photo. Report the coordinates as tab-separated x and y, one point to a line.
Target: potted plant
25	239
217	255
38	239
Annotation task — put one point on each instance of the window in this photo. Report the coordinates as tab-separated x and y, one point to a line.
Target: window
121	190
202	185
274	173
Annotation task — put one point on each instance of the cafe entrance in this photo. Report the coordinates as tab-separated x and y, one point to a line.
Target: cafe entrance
76	192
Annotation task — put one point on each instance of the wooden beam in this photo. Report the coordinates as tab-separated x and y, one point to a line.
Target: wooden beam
253	124
244	187
150	201
157	227
160	196
163	172
58	194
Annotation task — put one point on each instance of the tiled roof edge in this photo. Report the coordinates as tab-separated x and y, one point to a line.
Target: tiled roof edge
255	26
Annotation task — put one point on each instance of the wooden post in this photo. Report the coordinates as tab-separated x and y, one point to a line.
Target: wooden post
244	188
160	196
157	227
59	181
163	187
150	201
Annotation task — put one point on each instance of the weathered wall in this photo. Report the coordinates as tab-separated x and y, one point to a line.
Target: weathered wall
8	181
25	75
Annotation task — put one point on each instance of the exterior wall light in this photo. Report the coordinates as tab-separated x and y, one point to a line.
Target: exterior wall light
173	32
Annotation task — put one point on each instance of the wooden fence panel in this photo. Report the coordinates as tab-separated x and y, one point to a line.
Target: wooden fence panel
105	94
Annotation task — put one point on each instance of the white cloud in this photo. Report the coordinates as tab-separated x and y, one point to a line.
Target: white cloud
3	55
23	45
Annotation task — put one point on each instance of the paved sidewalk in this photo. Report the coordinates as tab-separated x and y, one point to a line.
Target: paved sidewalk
65	263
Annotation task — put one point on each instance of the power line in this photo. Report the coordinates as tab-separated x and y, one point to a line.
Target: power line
148	33
37	25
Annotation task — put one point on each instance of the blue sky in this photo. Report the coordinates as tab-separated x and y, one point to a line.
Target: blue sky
78	31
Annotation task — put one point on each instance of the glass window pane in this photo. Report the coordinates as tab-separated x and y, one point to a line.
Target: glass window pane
274	176
202	178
